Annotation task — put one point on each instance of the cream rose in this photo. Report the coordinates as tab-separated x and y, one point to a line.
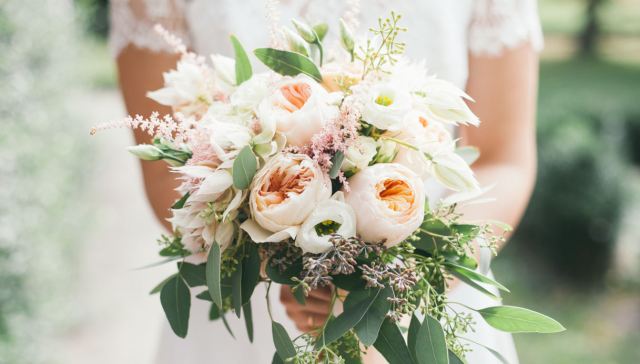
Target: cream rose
285	192
334	211
298	108
388	200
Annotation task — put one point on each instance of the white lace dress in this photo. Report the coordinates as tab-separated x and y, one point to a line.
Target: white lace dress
441	32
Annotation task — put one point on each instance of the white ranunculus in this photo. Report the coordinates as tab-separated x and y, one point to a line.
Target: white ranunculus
185	89
298	108
429	137
284	193
388	200
385	106
359	154
444	102
334	210
224	73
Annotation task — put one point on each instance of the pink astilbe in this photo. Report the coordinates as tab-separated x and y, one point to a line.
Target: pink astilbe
336	136
172	128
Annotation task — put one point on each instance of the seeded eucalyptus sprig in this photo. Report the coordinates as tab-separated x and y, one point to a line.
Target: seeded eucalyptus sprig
376	57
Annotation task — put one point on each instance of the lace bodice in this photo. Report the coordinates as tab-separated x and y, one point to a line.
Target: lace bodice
442	32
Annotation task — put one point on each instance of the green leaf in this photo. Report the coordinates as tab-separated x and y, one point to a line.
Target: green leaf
298	294
517	320
157	288
351	282
226	325
454	359
193	274
288	63
276	359
243	65
475	285
244	168
412	335
236	290
213	274
356	306
473	275
248	319
180	203
391	344
282	341
336	163
250	271
176	303
284	277
431	347
214	311
367	329
321	30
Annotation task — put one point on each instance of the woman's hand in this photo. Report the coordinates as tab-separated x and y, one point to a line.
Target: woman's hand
313	313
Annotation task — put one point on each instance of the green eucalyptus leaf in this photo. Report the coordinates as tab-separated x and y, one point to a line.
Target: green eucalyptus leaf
282	341
176	303
248	319
288	63
157	288
236	290
475	285
431	347
276	359
367	329
213	274
180	203
284	277
350	282
250	271
517	320
391	345
454	359
356	306
227	326
244	168
243	65
412	335
473	275
298	294
336	163
193	274
214	311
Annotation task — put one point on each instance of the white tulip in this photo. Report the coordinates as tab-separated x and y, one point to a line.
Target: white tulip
388	200
284	193
385	106
298	108
359	154
334	210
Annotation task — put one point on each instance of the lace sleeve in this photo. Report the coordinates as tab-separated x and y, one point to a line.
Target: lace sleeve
500	24
132	22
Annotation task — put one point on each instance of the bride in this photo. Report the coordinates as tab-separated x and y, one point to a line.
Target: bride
488	47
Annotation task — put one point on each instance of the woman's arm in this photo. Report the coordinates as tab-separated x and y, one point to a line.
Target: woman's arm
505	92
140	71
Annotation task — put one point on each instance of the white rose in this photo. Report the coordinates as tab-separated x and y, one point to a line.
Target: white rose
284	193
335	211
388	200
298	108
250	93
385	106
358	155
185	90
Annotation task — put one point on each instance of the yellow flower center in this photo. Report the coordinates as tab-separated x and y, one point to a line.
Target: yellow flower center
384	100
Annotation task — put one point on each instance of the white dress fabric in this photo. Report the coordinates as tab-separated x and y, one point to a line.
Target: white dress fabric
443	33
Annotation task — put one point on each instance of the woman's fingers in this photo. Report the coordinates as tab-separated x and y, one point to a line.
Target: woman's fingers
313	313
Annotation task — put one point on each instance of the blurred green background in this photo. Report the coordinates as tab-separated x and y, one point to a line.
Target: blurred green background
576	255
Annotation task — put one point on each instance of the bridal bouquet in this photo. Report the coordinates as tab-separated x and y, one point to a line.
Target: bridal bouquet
313	174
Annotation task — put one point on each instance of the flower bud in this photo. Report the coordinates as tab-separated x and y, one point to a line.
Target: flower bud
146	152
346	37
387	151
296	43
306	32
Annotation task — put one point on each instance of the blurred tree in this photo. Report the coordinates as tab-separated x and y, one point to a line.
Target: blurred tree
588	36
96	15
